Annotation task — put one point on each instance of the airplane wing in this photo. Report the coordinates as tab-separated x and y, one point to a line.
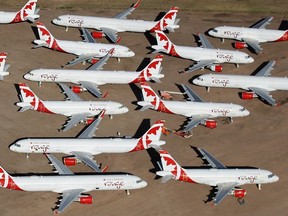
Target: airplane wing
264	94
69	196
60	168
265	71
262	24
92	87
81	58
192	96
125	13
194	121
99	65
204	41
90	130
213	162
70	95
74	119
254	44
110	33
200	64
87	36
87	159
223	190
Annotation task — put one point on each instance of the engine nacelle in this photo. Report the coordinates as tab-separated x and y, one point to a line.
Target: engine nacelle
239	193
248	95
77	89
97	34
216	68
93	60
240	45
71	161
210	124
88	121
87	199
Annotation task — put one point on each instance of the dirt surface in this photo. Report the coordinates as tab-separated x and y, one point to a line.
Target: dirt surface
258	140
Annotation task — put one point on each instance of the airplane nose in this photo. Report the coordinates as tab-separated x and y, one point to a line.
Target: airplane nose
26	76
125	110
144	184
131	53
54	21
276	178
251	60
12	147
247	113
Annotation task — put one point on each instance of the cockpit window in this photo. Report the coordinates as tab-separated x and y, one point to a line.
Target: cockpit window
139	181
271	175
199	79
214	30
58	19
243	109
121	107
17	145
247	57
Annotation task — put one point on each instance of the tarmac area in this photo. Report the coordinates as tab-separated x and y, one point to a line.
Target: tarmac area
258	140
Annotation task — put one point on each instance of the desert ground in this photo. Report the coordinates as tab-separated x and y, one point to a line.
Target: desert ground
258	140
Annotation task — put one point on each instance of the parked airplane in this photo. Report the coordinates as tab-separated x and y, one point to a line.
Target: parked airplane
206	56
75	108
72	187
28	13
197	111
251	36
89	50
110	27
3	66
91	78
83	148
225	180
258	85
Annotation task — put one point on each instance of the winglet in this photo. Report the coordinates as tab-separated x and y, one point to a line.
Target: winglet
104	169
136	4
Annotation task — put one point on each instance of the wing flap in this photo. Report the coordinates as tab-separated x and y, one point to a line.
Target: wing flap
266	71
87	36
86	158
262	24
254	44
74	119
264	94
60	168
90	130
192	96
91	87
205	42
69	93
200	64
99	65
213	162
194	121
111	34
69	196
128	11
223	190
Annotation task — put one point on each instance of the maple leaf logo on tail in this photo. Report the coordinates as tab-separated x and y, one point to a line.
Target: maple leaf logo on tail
6	181
3	57
168	21
152	136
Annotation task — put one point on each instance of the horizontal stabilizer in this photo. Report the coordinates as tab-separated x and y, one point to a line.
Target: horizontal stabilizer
166	176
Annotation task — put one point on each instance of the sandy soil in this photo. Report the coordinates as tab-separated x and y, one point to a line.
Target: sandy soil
258	140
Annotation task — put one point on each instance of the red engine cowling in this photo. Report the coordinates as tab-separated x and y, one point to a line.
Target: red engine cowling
85	199
247	95
239	193
240	45
77	89
89	121
70	161
93	61
210	124
97	34
216	68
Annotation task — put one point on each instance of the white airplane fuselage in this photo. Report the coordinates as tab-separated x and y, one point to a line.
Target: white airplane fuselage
7	17
219	55
238	33
213	177
68	108
121	25
82	48
188	108
67	145
74	76
242	82
60	183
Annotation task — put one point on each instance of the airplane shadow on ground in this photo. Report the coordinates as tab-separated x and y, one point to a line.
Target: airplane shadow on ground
138	94
155	160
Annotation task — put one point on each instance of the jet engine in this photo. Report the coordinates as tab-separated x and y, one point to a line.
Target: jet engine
248	95
93	60
210	124
239	193
77	89
97	34
240	45
216	68
85	199
71	161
